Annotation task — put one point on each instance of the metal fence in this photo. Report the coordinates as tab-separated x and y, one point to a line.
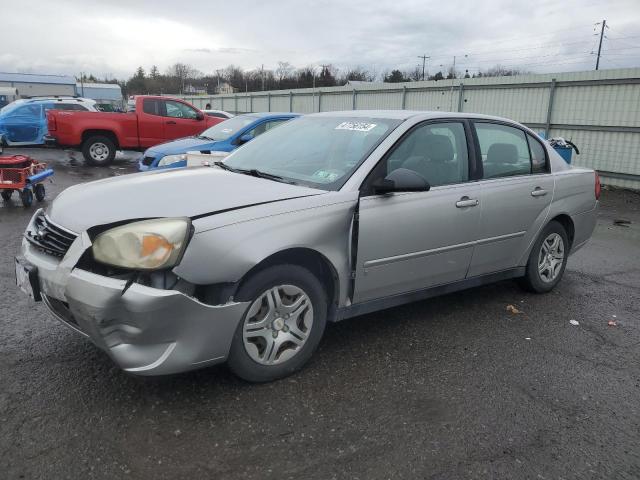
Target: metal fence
598	110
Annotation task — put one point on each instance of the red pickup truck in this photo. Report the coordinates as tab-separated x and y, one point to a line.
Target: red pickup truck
99	134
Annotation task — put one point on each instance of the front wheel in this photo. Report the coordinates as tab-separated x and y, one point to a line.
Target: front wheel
6	194
98	151
282	326
547	260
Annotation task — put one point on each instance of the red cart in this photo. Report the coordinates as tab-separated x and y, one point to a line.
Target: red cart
24	174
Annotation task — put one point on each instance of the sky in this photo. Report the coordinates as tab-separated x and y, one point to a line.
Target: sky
112	38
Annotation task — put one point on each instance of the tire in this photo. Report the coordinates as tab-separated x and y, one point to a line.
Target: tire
6	195
249	357
98	151
543	274
27	197
40	191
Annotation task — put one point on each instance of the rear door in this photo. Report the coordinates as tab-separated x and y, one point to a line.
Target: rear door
413	240
151	122
25	125
181	120
516	191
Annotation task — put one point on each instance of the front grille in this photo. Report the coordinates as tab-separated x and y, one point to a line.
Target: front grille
148	160
49	237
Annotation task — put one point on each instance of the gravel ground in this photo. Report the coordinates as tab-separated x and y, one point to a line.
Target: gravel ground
453	387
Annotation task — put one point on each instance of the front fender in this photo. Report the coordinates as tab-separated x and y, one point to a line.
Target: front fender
220	254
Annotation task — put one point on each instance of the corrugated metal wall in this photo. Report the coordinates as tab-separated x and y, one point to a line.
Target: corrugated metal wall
598	110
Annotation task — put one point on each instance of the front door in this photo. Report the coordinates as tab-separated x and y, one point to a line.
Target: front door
516	193
414	240
181	120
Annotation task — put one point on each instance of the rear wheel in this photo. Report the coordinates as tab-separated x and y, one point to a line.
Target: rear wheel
547	260
283	325
27	197
40	192
6	195
98	151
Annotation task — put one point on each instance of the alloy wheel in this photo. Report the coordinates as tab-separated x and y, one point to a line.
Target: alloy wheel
551	257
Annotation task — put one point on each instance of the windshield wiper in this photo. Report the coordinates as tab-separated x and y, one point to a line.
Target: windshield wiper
204	137
224	166
254	173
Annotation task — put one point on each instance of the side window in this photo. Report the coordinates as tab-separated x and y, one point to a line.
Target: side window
263	127
437	151
504	150
180	110
538	156
150	106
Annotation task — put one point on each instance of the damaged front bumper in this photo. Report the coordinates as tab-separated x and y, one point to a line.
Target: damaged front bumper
145	330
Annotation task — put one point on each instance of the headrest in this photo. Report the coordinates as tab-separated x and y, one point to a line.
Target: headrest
502	153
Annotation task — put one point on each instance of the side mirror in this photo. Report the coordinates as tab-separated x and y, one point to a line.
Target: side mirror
199	116
401	180
245	138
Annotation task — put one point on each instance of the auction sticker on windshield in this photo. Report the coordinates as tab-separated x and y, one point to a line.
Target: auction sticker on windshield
356	126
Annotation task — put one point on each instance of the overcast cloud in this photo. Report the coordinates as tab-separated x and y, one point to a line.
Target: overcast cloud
112	38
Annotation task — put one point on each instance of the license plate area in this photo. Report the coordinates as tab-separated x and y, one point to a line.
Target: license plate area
27	279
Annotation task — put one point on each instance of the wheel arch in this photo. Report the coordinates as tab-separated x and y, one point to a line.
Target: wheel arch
317	263
97	132
567	223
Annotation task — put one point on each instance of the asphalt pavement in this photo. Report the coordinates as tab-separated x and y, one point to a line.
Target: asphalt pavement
453	387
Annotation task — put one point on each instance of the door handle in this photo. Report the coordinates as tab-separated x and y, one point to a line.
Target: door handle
467	202
171	122
538	192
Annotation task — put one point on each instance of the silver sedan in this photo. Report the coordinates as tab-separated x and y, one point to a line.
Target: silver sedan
327	217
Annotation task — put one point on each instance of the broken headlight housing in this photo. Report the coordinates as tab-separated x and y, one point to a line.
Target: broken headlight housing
144	245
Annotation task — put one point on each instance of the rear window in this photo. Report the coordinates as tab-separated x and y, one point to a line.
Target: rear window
151	106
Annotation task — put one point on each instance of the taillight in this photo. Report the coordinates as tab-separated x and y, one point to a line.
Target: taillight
598	187
51	123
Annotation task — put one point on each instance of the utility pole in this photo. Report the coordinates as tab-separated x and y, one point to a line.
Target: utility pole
604	25
424	60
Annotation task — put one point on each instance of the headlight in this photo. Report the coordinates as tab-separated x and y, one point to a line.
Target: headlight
171	159
145	245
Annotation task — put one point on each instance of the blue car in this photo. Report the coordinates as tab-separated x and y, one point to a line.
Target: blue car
24	122
223	137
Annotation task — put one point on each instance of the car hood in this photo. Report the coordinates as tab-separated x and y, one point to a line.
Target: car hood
182	145
189	192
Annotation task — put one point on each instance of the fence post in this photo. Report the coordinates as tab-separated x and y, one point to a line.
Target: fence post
291	101
552	92
250	103
353	99
460	96
404	96
319	100
235	103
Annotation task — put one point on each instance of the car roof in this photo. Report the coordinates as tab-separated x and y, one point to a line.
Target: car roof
269	114
56	99
406	114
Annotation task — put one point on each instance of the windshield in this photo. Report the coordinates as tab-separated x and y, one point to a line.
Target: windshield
321	152
224	130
